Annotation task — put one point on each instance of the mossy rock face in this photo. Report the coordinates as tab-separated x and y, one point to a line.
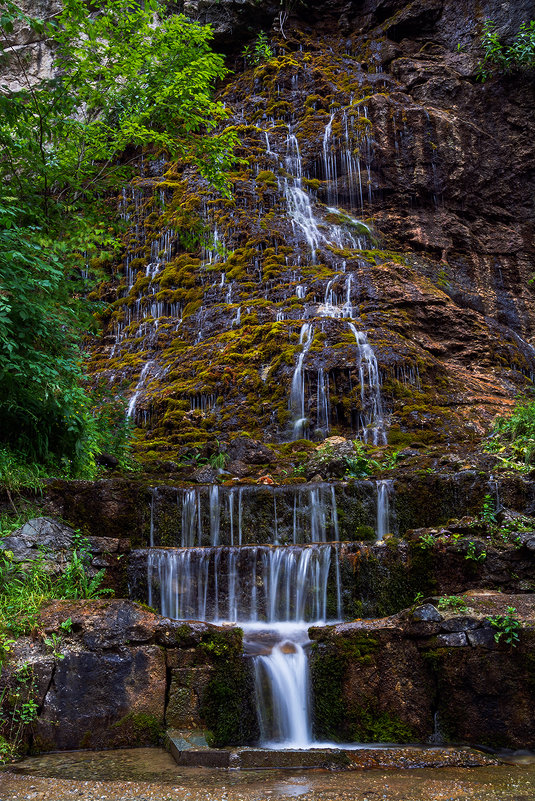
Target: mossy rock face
203	319
348	705
228	706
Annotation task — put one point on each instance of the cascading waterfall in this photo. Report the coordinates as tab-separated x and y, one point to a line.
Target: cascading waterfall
214	515
274	592
372	422
283	694
216	584
297	393
384	490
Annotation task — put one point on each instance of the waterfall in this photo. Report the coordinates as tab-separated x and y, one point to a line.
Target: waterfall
290	582
214	515
273	592
299	205
384	490
283	694
297	393
130	412
372	423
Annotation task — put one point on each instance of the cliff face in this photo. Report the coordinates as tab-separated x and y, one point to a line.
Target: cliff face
371	274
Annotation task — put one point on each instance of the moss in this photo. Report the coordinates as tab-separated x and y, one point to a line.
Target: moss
328	672
143	728
227	705
340	718
266	177
363	533
369	725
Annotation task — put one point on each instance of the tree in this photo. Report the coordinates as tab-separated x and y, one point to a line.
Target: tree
127	79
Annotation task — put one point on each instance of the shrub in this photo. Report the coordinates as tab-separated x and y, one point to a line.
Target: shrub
520	54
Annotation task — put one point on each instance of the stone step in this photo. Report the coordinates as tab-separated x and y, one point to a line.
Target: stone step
191	749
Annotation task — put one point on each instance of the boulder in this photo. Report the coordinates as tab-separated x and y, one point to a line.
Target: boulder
204	475
427	613
41	537
250	451
104	699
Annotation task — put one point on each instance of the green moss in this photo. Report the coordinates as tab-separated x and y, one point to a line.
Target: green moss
227	705
328	672
369	725
338	717
143	728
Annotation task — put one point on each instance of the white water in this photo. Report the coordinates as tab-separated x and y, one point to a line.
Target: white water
130	412
297	392
216	584
274	594
372	423
384	490
282	685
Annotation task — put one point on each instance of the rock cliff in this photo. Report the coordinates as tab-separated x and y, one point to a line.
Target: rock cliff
377	250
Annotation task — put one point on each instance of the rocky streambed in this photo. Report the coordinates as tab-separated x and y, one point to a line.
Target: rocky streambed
95	778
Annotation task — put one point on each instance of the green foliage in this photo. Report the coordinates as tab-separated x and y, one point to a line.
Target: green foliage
426	541
18	711
508	627
453	602
500	57
24	588
260	51
122	85
218	460
360	465
514	437
75	581
54	643
473	555
488	515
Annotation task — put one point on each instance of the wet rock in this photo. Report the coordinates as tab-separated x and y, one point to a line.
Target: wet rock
102	623
454	640
481	637
250	451
427	613
204	475
188	685
239	469
459	624
106	699
107	460
331	459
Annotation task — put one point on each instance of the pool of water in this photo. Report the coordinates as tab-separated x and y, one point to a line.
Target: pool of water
152	774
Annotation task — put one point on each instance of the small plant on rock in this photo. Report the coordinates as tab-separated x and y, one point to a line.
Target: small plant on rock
472	554
508	627
498	56
488	515
453	602
18	711
426	541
